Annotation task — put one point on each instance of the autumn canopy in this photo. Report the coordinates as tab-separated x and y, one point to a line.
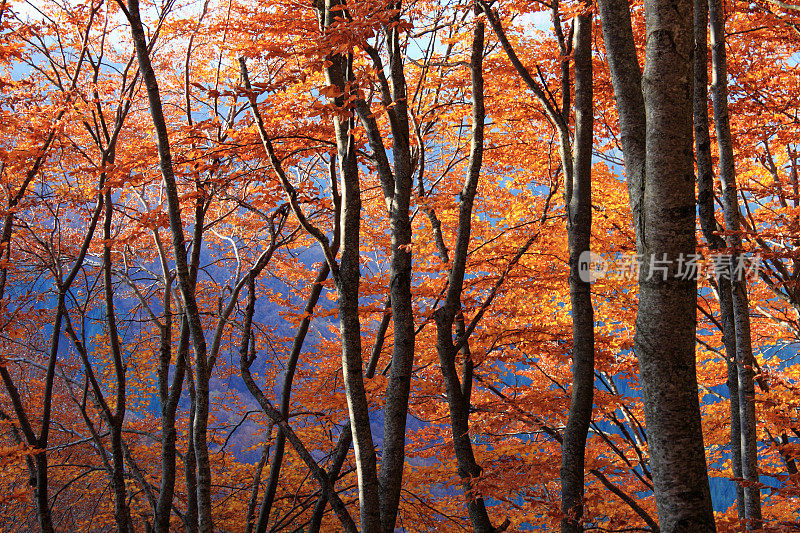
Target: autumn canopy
384	265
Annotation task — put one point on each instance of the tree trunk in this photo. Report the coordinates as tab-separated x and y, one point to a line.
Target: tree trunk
347	286
626	77
708	223
399	384
115	421
185	282
468	469
741	308
666	317
286	392
190	517
579	223
169	406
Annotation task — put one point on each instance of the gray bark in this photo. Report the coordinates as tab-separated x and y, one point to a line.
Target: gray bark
626	77
576	165
169	406
397	185
190	466
579	223
666	317
347	285
741	308
399	385
346	275
346	436
708	223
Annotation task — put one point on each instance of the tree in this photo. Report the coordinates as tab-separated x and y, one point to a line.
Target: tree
382	208
663	206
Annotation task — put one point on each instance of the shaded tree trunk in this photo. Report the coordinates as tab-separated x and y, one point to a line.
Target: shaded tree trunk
190	517
169	406
741	309
579	224
117	419
457	390
286	391
708	223
185	282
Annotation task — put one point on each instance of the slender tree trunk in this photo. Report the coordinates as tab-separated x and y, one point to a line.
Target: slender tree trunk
576	163
286	392
579	224
190	517
169	406
115	421
346	436
399	385
741	308
42	502
200	438
339	457
185	282
626	77
347	279
396	185
352	367
348	283
468	469
666	317
708	223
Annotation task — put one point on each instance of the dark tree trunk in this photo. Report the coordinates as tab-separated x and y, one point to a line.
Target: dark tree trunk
286	392
579	224
468	469
121	511
399	385
185	283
